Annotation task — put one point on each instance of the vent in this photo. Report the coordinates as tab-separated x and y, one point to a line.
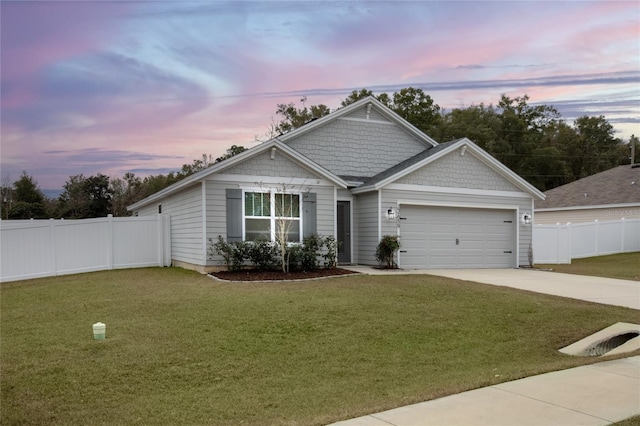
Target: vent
617	339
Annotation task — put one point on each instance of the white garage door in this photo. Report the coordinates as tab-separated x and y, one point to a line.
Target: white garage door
444	237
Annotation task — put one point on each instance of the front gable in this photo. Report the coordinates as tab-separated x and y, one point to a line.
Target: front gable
459	171
357	147
361	139
455	164
272	164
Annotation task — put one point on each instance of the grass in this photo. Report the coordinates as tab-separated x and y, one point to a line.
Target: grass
625	266
631	421
183	349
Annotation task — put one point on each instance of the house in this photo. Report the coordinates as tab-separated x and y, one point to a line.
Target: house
358	173
610	195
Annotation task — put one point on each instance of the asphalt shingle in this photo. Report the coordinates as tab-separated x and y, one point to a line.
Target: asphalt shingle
619	185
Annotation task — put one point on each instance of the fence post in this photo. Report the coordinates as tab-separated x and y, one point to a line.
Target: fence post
597	248
110	242
623	225
160	241
569	243
52	240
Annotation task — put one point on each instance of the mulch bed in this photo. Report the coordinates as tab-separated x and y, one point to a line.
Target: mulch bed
255	275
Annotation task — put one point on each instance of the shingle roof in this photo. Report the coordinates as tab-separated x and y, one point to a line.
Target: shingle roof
620	185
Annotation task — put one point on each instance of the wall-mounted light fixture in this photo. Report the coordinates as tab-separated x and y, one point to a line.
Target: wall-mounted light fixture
526	218
273	152
390	214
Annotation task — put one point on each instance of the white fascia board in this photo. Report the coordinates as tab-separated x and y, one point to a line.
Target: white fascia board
454	204
457	191
598	206
503	170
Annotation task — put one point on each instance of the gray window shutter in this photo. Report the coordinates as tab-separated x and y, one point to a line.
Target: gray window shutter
234	215
309	219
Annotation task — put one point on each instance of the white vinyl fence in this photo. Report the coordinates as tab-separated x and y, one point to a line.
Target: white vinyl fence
44	248
562	242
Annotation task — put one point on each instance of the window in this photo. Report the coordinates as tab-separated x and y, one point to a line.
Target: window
266	214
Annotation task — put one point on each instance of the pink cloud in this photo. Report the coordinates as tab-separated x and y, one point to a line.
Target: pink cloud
37	34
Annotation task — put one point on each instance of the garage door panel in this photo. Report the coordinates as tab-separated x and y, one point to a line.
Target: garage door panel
484	238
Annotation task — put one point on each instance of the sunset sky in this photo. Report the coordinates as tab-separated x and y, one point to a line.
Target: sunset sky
113	87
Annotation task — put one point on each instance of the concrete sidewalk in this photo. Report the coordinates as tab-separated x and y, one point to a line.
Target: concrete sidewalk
597	394
607	291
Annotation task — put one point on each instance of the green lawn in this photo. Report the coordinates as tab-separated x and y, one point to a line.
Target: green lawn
625	266
184	349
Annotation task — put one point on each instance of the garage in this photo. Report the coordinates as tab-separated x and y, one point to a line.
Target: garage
453	237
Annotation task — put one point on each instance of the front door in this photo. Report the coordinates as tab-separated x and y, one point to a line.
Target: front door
344	232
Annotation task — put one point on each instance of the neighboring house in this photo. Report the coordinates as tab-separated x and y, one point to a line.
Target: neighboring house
610	195
357	174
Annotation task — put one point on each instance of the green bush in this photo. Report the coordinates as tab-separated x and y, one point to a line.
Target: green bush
294	253
233	254
386	250
263	254
311	252
331	255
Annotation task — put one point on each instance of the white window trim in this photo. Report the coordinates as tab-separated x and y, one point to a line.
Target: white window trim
272	217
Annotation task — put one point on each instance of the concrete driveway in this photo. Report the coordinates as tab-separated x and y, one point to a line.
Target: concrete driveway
607	291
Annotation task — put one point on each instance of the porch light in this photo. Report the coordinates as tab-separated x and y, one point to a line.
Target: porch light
391	213
526	218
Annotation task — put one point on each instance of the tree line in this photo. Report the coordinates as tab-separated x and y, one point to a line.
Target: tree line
532	140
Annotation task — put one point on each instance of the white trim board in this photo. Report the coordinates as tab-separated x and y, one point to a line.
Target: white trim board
457	191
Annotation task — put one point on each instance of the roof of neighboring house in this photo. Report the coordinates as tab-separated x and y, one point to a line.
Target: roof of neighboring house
619	185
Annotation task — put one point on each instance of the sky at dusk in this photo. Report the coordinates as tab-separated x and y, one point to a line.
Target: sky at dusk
112	87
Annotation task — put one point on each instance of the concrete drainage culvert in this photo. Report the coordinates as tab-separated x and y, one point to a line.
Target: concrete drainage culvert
620	338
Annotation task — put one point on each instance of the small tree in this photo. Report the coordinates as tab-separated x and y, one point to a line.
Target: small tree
285	209
386	251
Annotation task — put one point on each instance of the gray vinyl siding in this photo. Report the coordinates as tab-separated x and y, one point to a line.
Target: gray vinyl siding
366	227
185	210
391	197
216	210
357	148
263	165
457	171
325	210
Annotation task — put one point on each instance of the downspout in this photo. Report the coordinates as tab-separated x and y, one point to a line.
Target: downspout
203	197
379	215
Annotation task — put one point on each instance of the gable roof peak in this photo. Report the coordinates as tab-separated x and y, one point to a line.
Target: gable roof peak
343	111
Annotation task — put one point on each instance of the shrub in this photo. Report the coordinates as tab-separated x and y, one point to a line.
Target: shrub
233	254
386	250
311	252
294	254
263	254
331	255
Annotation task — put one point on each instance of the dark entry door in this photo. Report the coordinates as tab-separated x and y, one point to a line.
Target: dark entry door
344	232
